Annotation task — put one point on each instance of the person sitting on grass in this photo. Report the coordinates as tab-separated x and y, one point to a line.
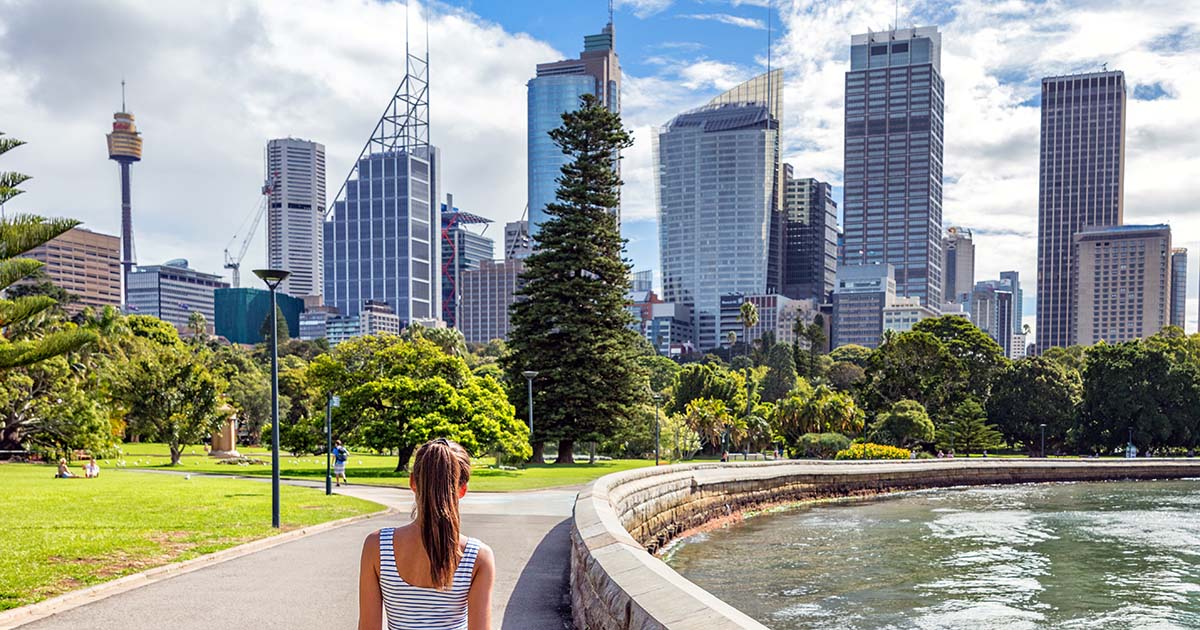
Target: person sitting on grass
91	470
426	574
64	471
340	455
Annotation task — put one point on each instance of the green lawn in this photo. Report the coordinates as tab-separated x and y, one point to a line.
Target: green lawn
59	535
377	470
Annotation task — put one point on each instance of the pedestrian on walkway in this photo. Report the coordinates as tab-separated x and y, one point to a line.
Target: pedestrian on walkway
427	574
340	455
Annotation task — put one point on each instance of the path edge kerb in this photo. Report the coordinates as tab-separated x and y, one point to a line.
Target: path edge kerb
18	617
620	519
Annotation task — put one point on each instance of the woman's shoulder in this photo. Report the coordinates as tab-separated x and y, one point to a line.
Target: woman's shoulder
483	553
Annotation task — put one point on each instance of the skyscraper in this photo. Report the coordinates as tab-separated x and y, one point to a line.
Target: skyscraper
296	180
462	251
1179	286
714	244
85	264
958	264
892	202
991	306
516	240
554	91
810	249
173	291
1081	185
125	148
1013	279
382	241
1122	284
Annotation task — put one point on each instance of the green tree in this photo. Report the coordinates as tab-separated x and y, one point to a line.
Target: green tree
713	422
1033	391
905	425
810	343
169	394
781	373
281	327
198	327
450	340
1071	357
912	366
845	376
572	326
698	380
852	353
966	430
39	284
48	405
978	354
660	370
748	315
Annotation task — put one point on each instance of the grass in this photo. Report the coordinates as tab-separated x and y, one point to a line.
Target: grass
376	470
59	535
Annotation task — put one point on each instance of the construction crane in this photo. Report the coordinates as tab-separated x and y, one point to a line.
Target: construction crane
233	263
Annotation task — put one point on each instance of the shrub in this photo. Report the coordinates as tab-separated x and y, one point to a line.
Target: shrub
822	445
873	451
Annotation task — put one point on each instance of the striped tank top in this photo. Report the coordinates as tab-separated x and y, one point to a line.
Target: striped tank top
409	607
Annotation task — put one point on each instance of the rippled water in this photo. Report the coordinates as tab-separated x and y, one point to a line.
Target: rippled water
1096	555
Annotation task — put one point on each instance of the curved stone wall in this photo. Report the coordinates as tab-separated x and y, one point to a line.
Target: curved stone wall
621	519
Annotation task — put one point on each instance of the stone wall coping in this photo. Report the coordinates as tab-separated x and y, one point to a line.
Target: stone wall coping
655	596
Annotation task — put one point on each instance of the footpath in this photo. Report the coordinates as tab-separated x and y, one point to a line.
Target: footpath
312	583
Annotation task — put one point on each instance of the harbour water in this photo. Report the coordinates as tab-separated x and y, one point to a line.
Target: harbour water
1086	555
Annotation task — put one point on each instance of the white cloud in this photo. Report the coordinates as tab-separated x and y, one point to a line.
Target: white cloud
732	20
644	8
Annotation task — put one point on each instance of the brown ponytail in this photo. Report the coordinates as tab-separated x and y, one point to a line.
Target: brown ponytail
439	470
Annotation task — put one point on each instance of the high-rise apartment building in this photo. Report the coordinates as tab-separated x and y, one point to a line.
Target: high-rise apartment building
1080	185
892	197
295	211
810	250
1179	287
1013	279
85	264
517	243
991	307
462	251
172	292
958	264
714	243
487	295
861	295
1122	283
555	91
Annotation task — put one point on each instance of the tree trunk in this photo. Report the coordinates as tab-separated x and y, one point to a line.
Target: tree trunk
566	452
403	455
539	453
592	453
176	454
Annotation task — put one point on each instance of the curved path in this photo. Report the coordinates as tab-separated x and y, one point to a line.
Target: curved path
311	583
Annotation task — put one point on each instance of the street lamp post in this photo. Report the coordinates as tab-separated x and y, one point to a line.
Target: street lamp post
657	399
273	278
529	376
1043	425
329	405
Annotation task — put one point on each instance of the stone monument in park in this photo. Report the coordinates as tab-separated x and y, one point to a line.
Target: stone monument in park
224	442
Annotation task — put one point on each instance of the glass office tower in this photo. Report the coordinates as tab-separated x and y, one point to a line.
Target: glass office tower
554	91
892	203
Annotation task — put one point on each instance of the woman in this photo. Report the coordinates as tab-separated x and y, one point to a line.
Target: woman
426	575
91	470
64	471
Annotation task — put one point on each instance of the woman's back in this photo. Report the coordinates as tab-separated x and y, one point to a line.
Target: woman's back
412	606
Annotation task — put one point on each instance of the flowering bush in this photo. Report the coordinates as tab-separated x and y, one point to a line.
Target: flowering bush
873	451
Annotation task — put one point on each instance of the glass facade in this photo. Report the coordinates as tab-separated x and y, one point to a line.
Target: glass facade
172	292
859	300
1179	287
715	183
892	203
810	258
1080	185
382	239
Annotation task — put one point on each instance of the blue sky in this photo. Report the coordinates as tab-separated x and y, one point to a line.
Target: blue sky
211	82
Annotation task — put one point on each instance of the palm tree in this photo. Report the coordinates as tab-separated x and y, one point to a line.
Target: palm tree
749	317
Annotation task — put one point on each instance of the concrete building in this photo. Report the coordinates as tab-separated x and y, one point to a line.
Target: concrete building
242	314
716	244
462	251
487	294
669	329
958	264
1081	186
1020	343
556	90
1013	279
295	211
1179	271
904	312
810	249
375	318
1122	283
85	264
991	307
173	291
517	243
314	322
892	201
777	314
861	295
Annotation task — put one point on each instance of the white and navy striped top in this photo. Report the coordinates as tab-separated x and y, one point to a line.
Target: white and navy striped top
411	607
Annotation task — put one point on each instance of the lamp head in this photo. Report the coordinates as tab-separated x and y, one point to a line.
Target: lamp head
273	277
529	374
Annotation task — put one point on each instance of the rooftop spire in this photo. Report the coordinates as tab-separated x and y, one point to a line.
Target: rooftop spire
123	94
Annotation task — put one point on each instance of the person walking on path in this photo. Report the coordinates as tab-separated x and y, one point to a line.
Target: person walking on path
340	455
426	574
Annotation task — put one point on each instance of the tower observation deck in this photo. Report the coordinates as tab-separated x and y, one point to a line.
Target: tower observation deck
125	148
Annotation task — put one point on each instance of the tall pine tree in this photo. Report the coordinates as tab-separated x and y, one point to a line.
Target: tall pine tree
571	325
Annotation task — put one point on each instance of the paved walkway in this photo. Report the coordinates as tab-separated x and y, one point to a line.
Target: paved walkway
312	583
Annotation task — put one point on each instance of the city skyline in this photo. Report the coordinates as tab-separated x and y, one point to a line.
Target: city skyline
993	63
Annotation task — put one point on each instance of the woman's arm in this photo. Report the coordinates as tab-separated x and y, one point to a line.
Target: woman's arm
370	598
479	599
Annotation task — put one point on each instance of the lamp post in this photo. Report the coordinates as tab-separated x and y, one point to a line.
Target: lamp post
529	376
657	399
329	405
1129	446
273	278
1043	425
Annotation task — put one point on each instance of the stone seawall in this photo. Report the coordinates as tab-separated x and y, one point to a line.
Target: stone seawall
622	519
